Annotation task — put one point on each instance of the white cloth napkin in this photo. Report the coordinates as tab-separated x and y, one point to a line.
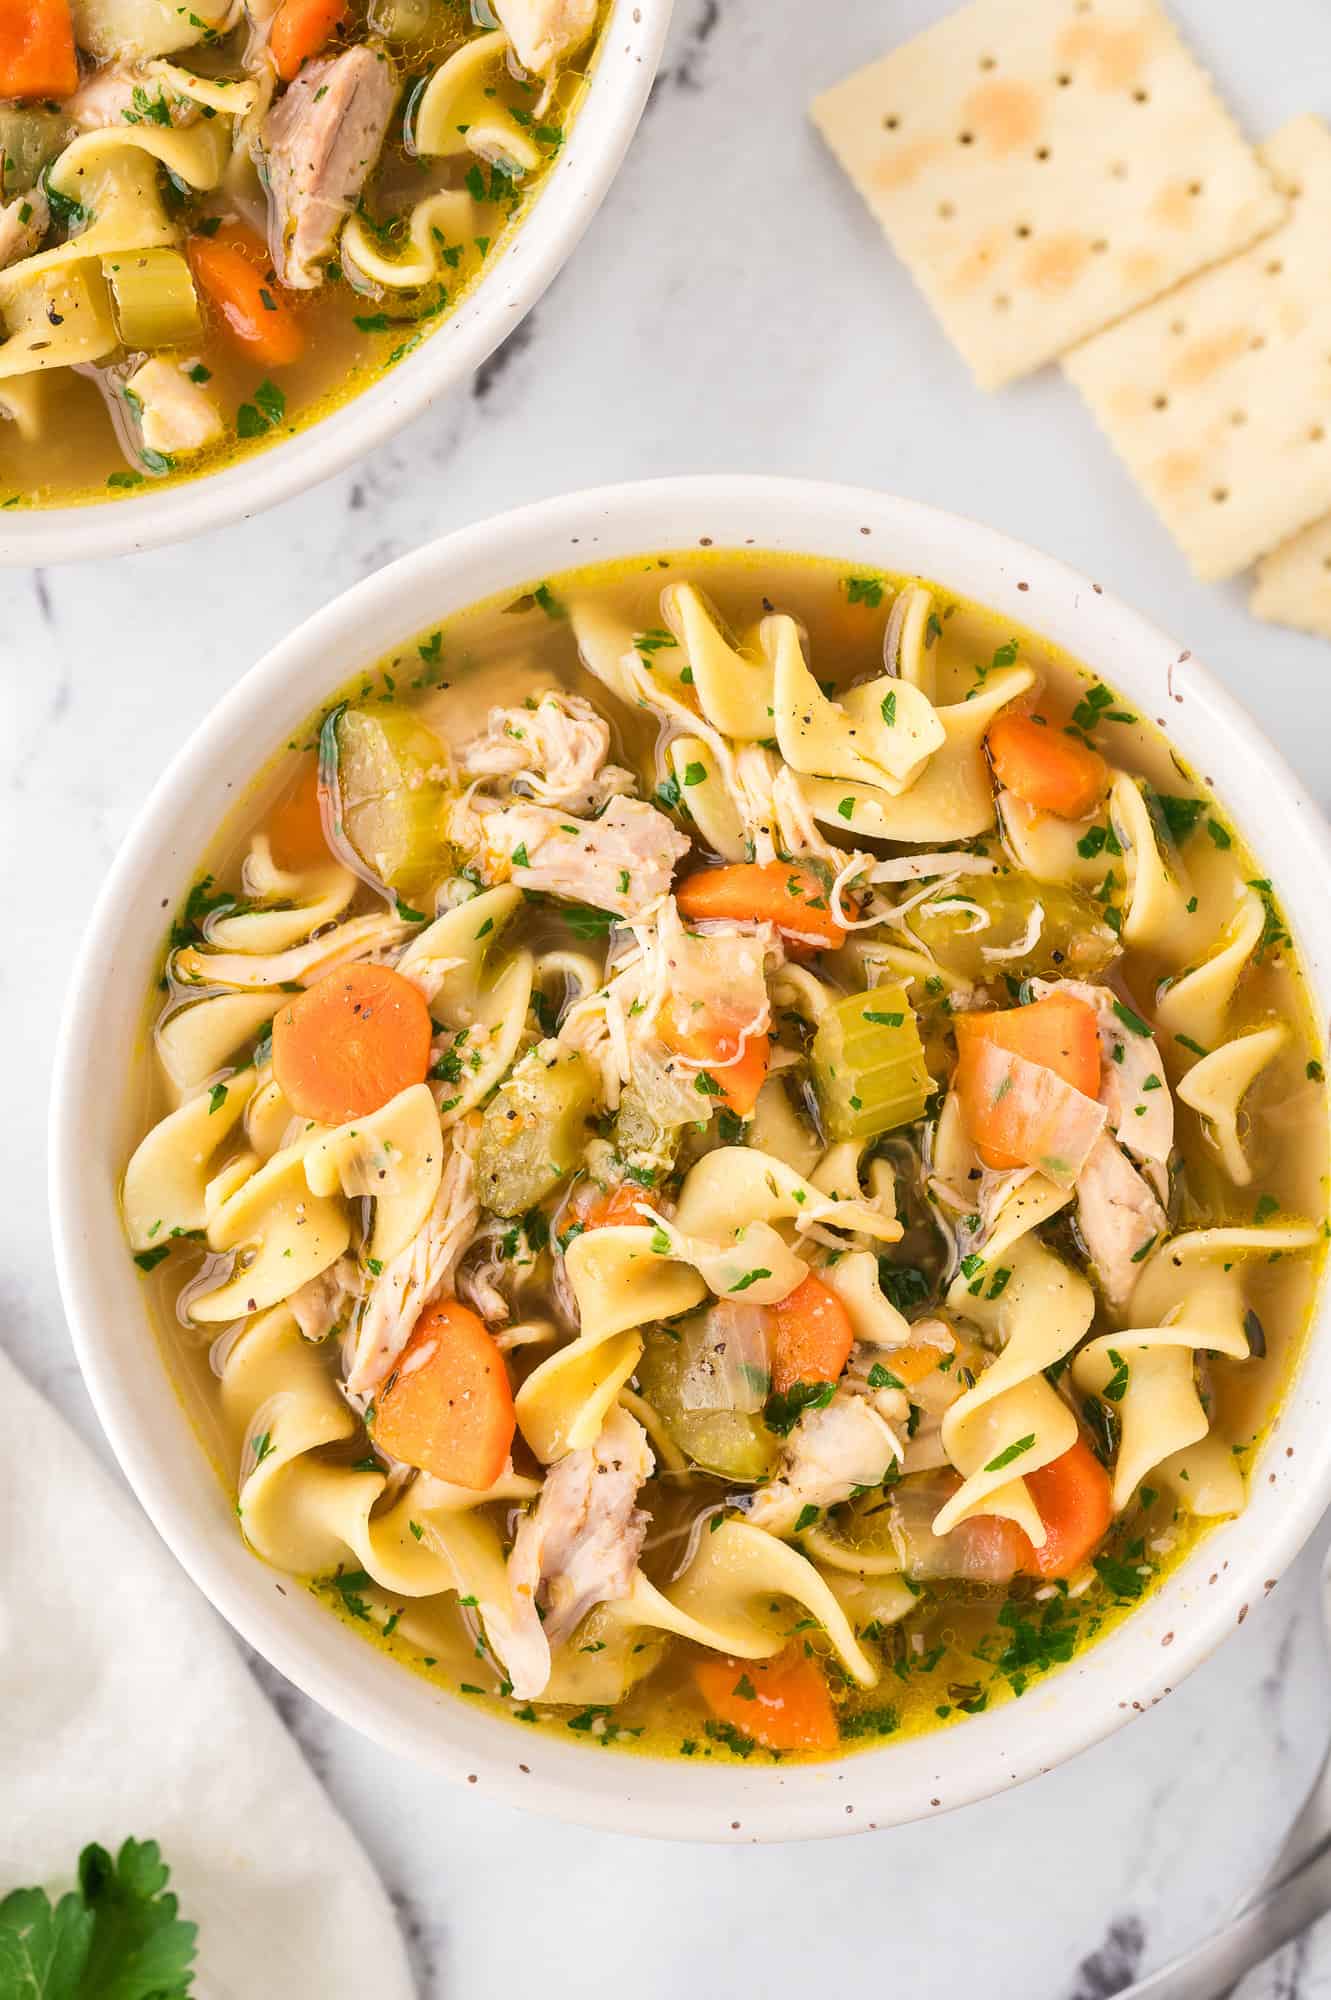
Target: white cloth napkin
124	1709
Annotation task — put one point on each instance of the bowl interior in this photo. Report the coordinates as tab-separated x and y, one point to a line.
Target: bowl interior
91	1136
626	64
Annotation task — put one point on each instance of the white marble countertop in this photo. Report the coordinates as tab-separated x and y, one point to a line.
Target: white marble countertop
730	309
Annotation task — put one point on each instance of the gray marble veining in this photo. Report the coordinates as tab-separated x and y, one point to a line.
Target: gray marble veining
731	308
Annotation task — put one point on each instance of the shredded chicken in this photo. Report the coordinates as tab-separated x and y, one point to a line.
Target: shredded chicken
1119	1217
419	1273
23	223
127	95
319	1305
578	1547
174	414
828	1454
544	32
321	139
555	750
622	861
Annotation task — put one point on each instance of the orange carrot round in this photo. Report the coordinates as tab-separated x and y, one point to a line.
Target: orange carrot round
234	270
300	29
1072	1497
37	56
609	1208
448	1405
350	1042
811	1336
785	893
1042	764
295	825
781	1703
1059	1032
739	1070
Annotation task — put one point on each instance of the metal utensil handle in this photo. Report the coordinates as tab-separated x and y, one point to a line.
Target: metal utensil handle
1212	1968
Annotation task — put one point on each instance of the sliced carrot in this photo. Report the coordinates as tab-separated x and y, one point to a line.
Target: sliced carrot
448	1406
1072	1497
616	1207
37	56
911	1364
1042	764
781	1703
1059	1033
234	270
737	1069
300	29
350	1042
811	1336
295	825
785	893
994	1547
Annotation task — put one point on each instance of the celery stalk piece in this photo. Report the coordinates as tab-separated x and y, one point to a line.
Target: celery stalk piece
534	1130
154	298
391	810
733	1443
28	139
868	1064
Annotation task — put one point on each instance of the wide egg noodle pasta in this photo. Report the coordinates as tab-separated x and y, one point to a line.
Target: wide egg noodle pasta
1216	1086
459	112
1189	1299
484	1011
279	1234
395	1156
734	1597
198	1038
706	798
733	689
1051	849
308	1514
952	799
620	1284
1193	1007
850	738
1012	1422
1156	913
166	1181
735	1186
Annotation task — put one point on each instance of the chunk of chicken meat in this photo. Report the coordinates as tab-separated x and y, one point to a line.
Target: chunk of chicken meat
418	1274
319	1306
829	1453
175	415
578	1547
23	223
556	750
128	95
321	139
1119	1217
622	861
543	32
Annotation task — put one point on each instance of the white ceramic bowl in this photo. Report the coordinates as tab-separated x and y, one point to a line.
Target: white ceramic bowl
573	191
91	1137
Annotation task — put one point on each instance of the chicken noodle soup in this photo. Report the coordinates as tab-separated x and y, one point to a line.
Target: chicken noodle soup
736	1157
215	225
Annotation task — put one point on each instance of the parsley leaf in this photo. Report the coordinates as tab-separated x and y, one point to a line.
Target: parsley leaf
116	1937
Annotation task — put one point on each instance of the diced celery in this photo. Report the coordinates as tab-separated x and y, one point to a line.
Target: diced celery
987	914
392	810
154	298
868	1064
28	139
736	1444
534	1131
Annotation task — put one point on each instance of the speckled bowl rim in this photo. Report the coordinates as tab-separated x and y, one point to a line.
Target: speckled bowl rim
573	190
90	1136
